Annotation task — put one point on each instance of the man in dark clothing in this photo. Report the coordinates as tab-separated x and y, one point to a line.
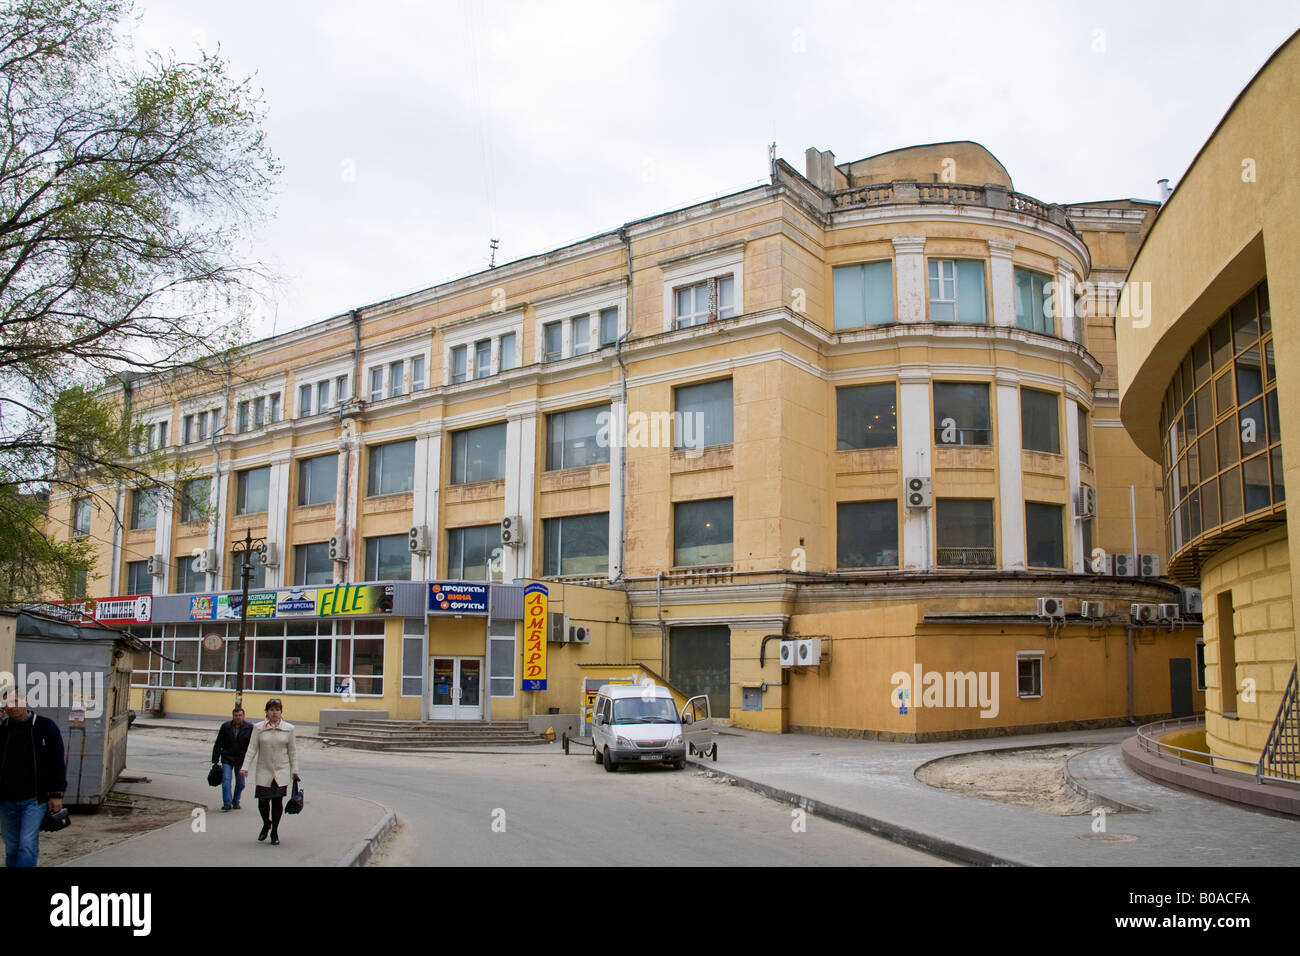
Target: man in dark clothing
31	778
231	745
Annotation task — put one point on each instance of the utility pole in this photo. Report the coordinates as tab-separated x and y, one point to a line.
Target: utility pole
247	548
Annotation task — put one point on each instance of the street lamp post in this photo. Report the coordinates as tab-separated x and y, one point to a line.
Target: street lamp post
246	548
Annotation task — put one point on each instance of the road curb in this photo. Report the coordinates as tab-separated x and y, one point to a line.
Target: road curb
364	848
860	821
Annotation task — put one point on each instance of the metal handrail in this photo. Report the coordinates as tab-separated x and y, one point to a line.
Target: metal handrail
1284	735
1147	739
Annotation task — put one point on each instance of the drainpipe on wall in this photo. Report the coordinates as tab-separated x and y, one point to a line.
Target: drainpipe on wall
663	631
347	441
1128	630
618	354
214	524
115	573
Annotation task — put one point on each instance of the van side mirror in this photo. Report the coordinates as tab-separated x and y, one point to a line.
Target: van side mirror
687	718
599	718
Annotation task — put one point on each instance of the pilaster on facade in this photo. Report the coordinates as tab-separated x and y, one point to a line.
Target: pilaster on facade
277	517
162	542
1077	557
220	505
617	492
1003	282
909	277
1064	299
346	498
428	477
914	437
521	466
1011	503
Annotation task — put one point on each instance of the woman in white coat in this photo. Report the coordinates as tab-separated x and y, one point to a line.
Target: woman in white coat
273	756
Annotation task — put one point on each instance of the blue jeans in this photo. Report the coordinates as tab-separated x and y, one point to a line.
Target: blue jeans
20	822
227	772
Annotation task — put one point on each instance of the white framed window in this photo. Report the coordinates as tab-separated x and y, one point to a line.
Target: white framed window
484	347
552	341
608	326
957	291
509	349
195	426
377	384
321	388
256	407
412	660
305	394
580	334
417	373
579	323
483	358
1029	673
80	517
704	288
152	436
396	374
458	364
501	659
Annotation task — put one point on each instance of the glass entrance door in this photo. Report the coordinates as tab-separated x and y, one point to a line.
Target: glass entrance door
456	688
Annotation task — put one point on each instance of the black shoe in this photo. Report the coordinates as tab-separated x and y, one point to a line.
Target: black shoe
234	806
265	830
275	840
225	807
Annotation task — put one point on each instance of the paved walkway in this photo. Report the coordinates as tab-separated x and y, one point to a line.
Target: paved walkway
872	784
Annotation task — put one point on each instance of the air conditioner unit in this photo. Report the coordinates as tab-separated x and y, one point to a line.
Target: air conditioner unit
558	632
1168	612
1092	609
1144	613
512	531
1086	504
1051	607
808	651
417	539
157	565
205	560
787	653
918	493
269	556
338	548
579	634
1191	598
1149	566
1121	565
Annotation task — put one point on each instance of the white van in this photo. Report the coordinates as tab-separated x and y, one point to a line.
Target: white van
639	723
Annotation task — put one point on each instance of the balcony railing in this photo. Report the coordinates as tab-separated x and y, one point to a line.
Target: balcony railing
992	196
687	577
966	557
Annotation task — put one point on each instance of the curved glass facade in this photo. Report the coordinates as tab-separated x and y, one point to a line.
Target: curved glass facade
1222	445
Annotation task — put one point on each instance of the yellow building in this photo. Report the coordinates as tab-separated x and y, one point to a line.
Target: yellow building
1201	395
872	407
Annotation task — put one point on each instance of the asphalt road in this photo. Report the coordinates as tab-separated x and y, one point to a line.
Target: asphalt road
546	809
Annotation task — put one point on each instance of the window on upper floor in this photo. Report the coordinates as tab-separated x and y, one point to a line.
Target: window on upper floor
138	578
80	517
188	578
509	347
867	534
459	364
396	372
578	544
1083	435
961	413
312	564
1044	535
392	468
957	291
387	559
1032	309
318	480
1029	675
705	301
478	454
552	341
253	413
964	533
608	326
377	384
197	426
150	437
1039	423
252	490
574	440
580	334
864	294
256	570
483	358
195	496
417	373
702	532
703	415
144	509
866	416
474	554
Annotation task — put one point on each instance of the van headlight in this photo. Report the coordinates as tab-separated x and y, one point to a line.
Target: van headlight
676	741
625	743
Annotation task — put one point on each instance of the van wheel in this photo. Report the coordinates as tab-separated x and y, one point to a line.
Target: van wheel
679	764
596	751
609	763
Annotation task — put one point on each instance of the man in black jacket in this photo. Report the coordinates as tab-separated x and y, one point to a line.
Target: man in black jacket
231	745
31	778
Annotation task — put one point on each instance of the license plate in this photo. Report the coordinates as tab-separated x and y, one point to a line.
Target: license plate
652	756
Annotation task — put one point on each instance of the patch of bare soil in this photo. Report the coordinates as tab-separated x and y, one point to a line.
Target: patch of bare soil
120	818
1026	778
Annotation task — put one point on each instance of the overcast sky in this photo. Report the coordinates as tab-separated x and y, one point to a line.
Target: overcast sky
412	133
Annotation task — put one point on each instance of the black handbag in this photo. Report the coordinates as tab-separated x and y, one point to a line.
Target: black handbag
296	800
214	775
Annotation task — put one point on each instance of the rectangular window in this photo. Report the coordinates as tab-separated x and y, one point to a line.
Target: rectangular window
608	326
576	545
388	558
241	412
144	509
964	533
1045	535
483	358
961	413
501	658
706	301
867	534
312	564
459	371
273	413
571	438
195	498
412	657
1032	312
257	571
392	468
866	416
80	517
552	341
318	480
252	490
1200	664
259	412
957	290
201	421
1039	427
474	553
138	578
1029	675
341	390
581	334
864	294
305	393
704	415
322	395
188	580
417	373
187	429
395	378
478	454
1226	635
377	384
509	351
702	532
1083	436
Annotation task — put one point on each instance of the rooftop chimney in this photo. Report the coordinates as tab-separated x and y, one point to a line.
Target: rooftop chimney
1165	191
819	168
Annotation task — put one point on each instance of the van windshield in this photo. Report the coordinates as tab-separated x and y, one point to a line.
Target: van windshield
637	710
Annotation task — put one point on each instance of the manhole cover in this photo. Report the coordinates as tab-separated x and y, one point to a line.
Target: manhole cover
1108	837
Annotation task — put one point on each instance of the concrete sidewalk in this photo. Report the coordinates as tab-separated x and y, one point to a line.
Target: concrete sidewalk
872	785
332	830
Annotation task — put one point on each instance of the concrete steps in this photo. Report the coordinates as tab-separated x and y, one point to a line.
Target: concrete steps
415	736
